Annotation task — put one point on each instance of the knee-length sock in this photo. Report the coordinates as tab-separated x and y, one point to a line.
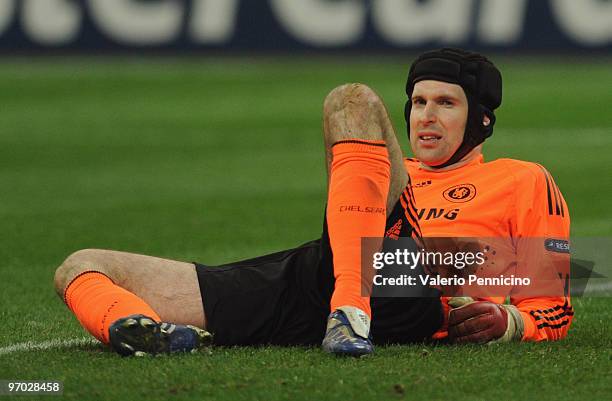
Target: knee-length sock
97	303
356	208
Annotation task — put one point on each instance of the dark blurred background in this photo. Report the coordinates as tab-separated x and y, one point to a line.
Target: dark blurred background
204	26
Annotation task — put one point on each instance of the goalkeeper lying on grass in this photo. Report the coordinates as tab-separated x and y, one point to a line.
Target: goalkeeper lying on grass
312	294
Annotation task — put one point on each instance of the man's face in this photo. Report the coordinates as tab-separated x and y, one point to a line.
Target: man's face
437	120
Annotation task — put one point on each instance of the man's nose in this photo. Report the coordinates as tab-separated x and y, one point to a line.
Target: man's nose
429	113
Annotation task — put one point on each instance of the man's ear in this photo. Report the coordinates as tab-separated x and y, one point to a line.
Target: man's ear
486	121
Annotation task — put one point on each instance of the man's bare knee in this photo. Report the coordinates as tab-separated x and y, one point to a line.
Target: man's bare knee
352	111
75	264
347	95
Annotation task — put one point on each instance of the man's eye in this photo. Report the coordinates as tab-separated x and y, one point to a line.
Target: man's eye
445	102
418	101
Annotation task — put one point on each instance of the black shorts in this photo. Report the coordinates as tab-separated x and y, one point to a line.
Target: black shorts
283	298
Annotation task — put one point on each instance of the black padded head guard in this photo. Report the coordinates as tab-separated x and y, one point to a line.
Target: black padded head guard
479	78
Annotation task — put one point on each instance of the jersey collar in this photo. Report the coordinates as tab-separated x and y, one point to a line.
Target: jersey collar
475	161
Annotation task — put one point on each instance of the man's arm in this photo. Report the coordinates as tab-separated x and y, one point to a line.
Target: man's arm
545	225
540	313
545	318
531	319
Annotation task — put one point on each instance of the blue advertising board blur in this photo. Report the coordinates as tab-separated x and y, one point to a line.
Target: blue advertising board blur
286	25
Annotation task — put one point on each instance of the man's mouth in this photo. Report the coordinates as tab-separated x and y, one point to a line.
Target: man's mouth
429	137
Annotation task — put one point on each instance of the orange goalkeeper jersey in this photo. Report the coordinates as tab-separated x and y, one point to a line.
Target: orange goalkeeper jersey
504	198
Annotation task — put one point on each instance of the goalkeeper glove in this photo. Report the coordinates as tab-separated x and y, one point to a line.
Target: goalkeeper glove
483	322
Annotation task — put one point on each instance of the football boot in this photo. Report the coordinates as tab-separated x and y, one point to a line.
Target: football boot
140	335
341	337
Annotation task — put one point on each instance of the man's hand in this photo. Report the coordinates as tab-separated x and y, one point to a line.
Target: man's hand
483	322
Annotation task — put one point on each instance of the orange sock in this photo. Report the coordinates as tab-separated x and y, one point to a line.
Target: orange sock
97	303
356	208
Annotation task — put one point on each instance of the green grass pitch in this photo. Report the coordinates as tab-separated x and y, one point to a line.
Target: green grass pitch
217	160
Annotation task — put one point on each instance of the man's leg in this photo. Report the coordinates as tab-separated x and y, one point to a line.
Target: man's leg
365	179
356	111
102	286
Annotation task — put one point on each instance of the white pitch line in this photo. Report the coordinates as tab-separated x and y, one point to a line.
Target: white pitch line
595	288
45	345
